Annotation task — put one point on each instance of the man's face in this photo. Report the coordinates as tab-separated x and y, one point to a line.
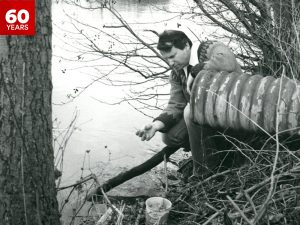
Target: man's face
177	58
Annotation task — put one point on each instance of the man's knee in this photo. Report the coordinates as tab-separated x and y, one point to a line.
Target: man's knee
173	141
177	136
186	113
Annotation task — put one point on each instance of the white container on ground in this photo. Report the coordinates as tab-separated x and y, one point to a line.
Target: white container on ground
157	210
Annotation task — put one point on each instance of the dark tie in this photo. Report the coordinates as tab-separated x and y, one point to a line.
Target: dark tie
189	68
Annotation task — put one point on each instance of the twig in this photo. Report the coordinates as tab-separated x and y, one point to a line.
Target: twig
204	181
211	207
121	216
166	174
249	209
77	183
81	201
188	213
106	197
66	200
138	218
251	202
105	217
239	210
113	207
216	175
217	212
254	187
211	218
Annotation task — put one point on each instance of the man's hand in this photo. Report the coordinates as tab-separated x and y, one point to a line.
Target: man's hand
149	130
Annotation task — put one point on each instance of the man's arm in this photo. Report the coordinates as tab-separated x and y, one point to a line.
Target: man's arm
170	115
176	104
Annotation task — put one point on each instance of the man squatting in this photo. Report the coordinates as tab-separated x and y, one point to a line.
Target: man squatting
178	130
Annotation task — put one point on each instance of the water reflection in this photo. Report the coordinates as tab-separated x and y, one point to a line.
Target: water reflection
98	125
132	5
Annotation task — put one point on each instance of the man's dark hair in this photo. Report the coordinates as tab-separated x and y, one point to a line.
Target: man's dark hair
170	38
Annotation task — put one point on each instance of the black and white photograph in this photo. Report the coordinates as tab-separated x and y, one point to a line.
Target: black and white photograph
149	112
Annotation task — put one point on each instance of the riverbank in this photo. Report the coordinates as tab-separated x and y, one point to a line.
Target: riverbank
236	195
222	199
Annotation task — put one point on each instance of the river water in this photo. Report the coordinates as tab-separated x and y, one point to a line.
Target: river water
103	135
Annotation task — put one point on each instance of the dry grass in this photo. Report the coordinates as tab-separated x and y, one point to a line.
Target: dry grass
246	194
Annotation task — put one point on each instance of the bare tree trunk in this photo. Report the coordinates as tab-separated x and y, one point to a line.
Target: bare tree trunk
27	185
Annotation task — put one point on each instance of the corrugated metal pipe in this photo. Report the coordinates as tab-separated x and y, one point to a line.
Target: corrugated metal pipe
246	102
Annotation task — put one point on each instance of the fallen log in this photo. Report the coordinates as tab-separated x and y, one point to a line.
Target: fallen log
133	172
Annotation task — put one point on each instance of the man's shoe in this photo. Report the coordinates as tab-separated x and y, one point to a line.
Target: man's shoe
187	149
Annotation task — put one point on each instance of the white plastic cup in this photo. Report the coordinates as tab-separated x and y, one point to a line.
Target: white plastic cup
157	210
